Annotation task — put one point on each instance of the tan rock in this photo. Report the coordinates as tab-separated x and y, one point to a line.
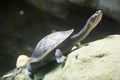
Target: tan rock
100	60
22	60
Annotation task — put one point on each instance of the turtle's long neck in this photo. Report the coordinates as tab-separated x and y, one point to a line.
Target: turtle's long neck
90	25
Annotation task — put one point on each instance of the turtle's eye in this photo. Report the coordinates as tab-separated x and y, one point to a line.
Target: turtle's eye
98	12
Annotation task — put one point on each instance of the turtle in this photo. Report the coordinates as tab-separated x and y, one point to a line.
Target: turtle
53	46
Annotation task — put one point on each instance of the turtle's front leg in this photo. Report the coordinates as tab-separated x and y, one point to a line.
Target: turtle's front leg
78	44
60	58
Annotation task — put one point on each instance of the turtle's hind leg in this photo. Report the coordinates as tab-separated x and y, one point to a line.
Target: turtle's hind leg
60	58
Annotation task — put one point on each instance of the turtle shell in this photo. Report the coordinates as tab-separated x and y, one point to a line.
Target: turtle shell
49	43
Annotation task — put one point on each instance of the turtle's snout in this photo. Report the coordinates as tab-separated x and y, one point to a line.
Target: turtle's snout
99	12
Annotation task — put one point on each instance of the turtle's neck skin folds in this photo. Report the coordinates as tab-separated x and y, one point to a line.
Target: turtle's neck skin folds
90	25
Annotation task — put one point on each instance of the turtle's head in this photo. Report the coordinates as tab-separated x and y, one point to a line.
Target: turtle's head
89	26
95	19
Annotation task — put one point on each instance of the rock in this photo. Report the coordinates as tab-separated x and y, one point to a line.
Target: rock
55	7
22	60
98	60
60	8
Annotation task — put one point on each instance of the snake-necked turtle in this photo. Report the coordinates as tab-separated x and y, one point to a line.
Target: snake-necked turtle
52	46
